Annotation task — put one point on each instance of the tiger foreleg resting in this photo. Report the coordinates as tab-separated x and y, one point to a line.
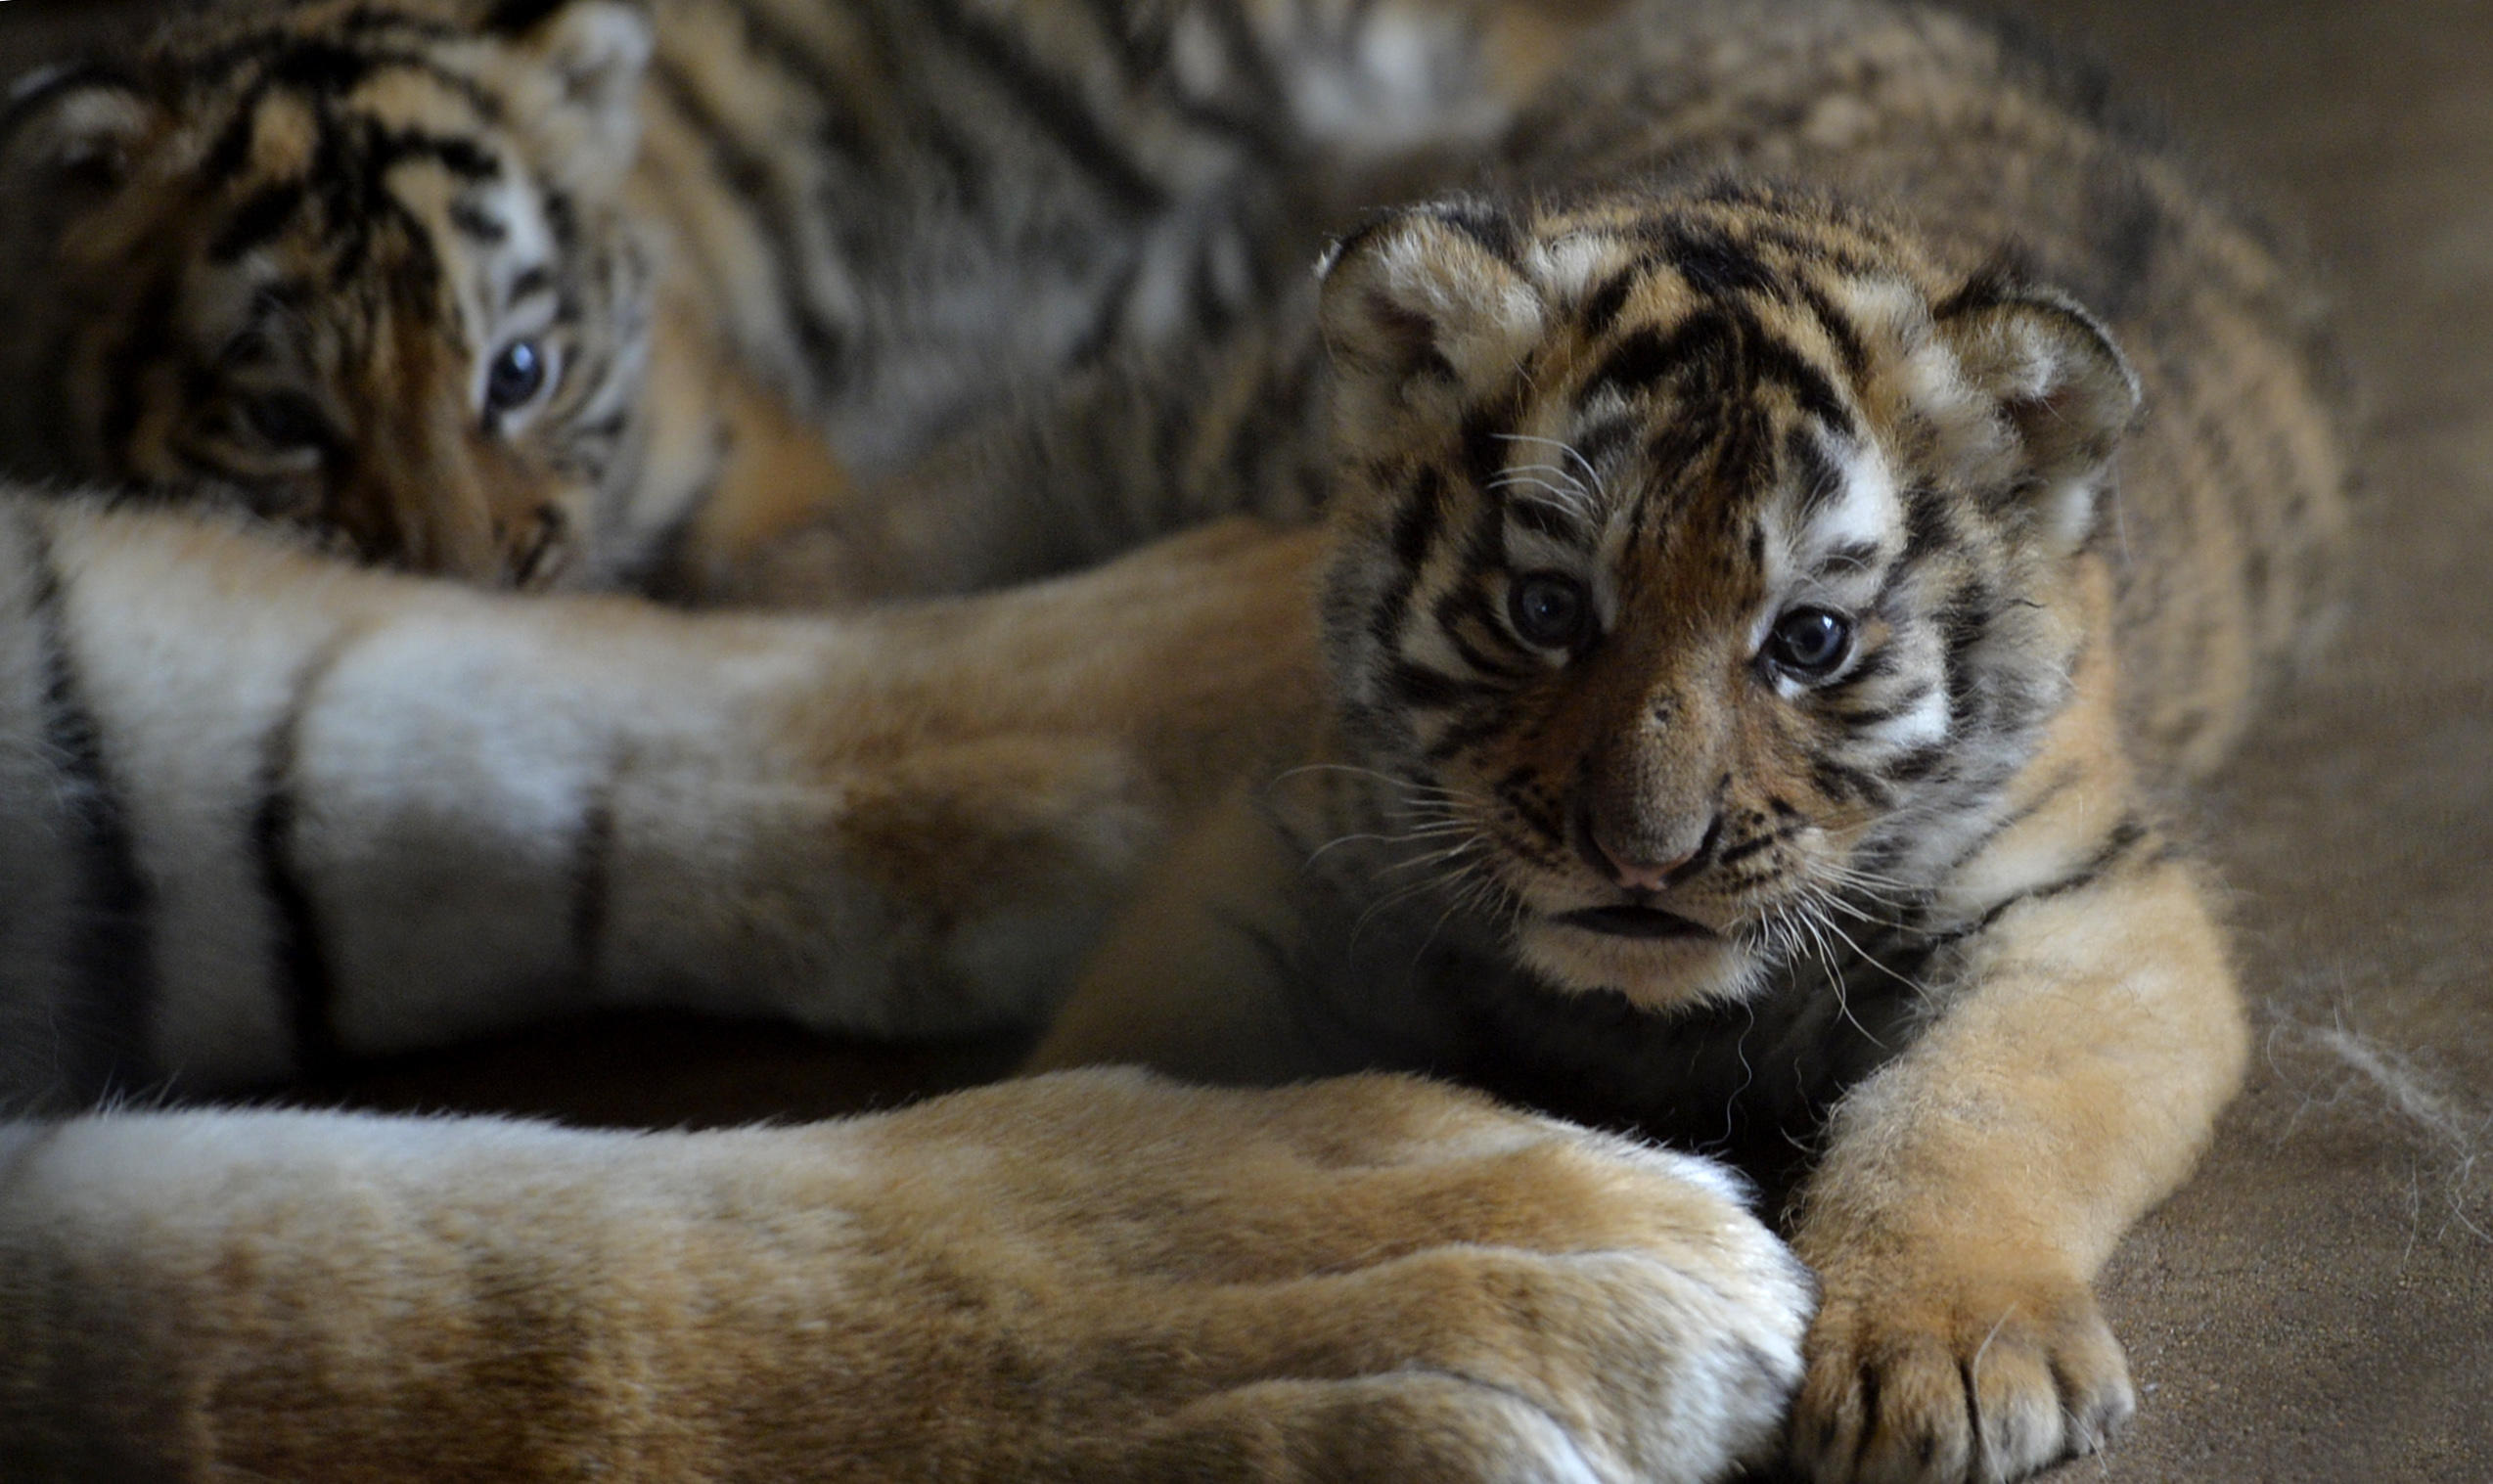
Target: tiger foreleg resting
344	813
1971	1189
1094	1276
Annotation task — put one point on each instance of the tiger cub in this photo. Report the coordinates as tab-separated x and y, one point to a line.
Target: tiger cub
600	293
1760	619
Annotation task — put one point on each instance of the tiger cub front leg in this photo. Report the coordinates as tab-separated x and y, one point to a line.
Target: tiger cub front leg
1972	1188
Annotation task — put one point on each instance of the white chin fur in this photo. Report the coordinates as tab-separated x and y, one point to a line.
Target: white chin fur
1653	973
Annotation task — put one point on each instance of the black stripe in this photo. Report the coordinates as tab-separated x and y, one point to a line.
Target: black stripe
1463	736
1484	445
1733	855
841	130
2059	784
300	972
148	339
317	72
1604	303
257	221
1839	330
1714	265
1645	355
112	955
1051	103
232	151
1488	228
1418	685
1726	352
1807	467
1838	782
1878	664
1597	443
1415	532
1260	118
1824	251
1918	763
1776	361
514	17
1927	526
1543	517
2124	837
1520	791
1964	622
1879	715
750	178
1484	543
1468	603
377	25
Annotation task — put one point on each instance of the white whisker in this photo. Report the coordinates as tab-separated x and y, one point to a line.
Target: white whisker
1567	448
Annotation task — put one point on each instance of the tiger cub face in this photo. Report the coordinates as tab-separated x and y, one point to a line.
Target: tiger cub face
358	266
1699	558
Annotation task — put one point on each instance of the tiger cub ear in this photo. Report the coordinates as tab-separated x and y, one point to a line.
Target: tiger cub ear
597	52
73	126
1427	300
2053	396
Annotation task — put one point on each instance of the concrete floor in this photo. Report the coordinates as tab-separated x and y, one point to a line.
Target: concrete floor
2318	1304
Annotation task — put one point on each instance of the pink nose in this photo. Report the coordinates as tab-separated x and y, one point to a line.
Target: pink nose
1638	876
1633	868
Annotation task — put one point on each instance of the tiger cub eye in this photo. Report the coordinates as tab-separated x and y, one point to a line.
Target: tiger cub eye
1810	643
516	378
1548	609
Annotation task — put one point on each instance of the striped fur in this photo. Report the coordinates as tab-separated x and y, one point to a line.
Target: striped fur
1917	912
265	812
757	249
1100	1277
1982	384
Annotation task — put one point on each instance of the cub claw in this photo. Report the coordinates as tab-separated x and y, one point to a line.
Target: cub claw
1989	1382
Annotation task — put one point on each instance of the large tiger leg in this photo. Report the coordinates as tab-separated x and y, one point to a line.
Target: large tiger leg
1093	1277
280	811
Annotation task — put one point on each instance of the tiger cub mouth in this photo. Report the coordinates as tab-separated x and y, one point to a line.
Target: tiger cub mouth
1635	923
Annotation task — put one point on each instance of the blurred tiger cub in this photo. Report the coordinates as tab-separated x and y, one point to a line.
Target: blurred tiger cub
1760	619
589	291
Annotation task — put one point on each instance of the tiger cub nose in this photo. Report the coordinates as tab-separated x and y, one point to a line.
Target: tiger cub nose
1650	864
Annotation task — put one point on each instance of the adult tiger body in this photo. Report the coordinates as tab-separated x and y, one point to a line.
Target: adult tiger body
1762	619
606	292
266	813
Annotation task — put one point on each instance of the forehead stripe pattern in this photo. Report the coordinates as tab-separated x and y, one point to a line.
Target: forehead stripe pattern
1897	717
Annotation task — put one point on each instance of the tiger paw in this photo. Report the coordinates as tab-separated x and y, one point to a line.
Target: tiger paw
1382	1279
1955	1377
